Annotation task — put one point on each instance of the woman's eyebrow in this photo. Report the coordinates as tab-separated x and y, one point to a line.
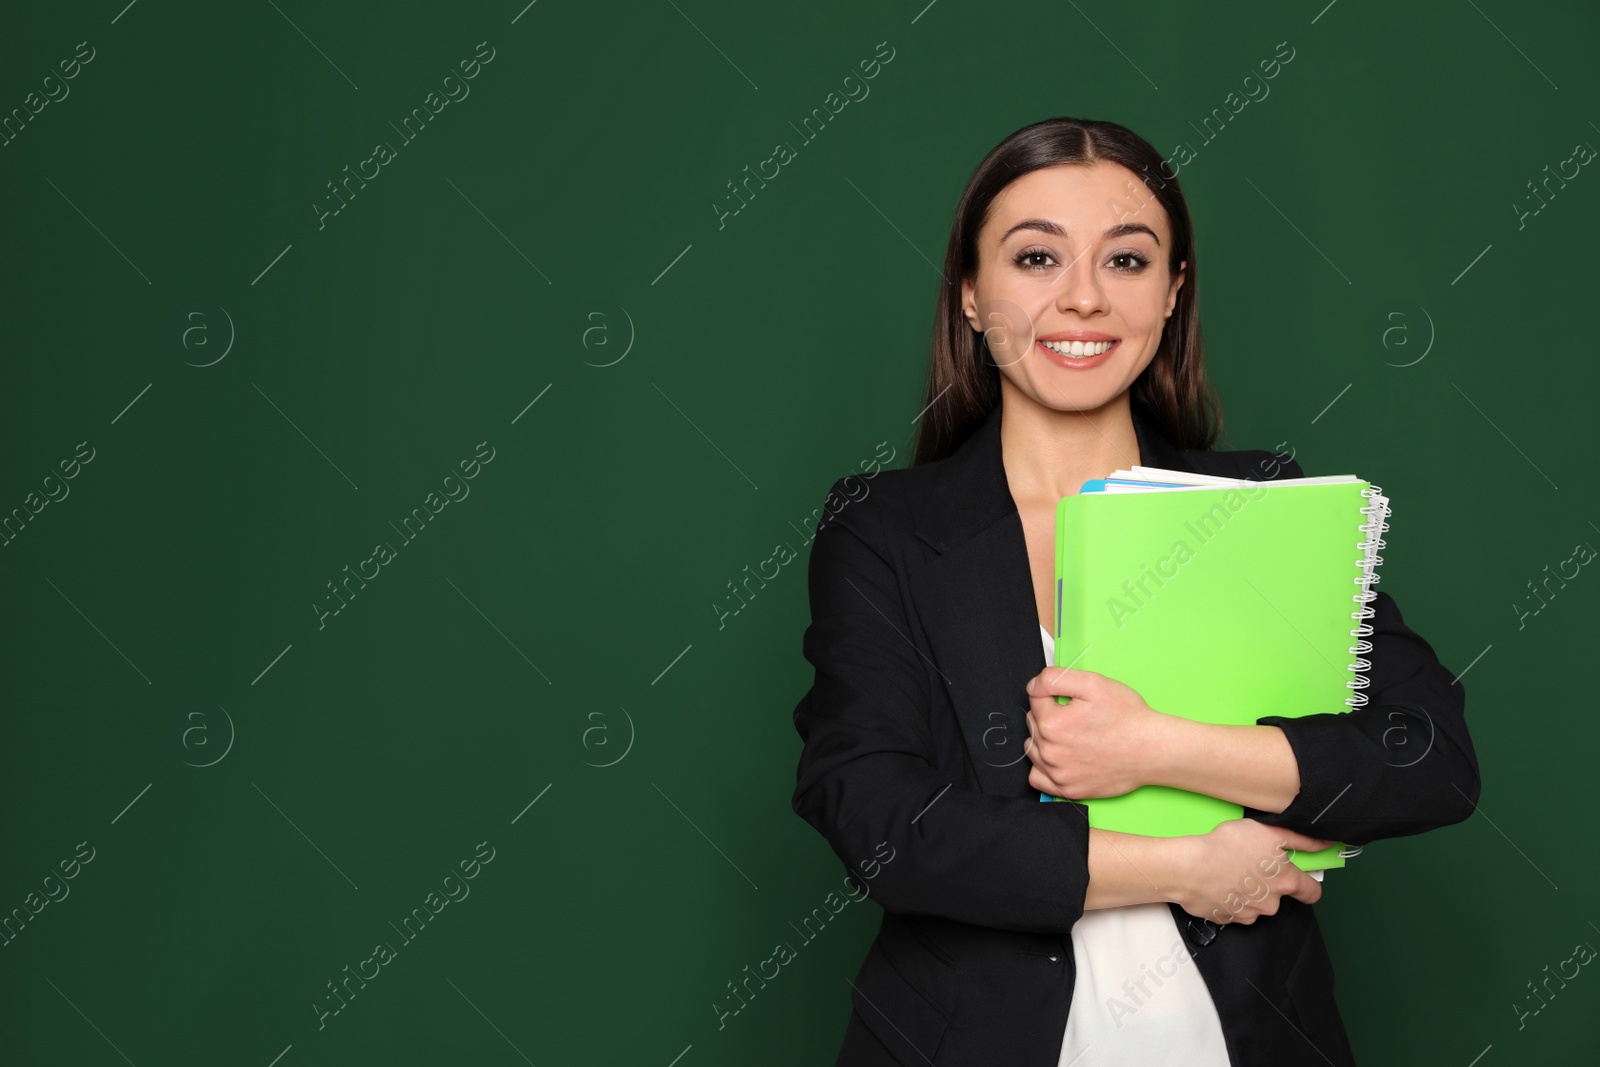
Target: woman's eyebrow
1122	229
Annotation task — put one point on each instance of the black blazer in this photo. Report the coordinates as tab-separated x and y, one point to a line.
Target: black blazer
923	632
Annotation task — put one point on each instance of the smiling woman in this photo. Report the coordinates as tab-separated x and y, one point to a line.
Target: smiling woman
1067	345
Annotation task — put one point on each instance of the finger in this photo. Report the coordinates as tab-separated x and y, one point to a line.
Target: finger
1042	700
1300	842
1063	682
1307	890
1044	784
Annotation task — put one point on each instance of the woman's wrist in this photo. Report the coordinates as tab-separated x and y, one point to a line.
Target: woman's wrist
1253	766
1170	750
1129	869
1183	855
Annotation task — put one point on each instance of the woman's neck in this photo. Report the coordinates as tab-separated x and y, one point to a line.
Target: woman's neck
1049	454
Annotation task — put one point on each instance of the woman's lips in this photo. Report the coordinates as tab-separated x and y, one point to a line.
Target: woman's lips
1077	362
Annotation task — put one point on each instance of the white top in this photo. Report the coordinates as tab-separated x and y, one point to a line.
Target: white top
1139	999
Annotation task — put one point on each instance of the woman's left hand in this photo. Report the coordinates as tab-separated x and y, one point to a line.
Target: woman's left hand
1102	744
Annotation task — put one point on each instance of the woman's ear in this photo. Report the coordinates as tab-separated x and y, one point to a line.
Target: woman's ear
969	306
1176	284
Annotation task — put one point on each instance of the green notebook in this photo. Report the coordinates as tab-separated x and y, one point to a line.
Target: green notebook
1219	600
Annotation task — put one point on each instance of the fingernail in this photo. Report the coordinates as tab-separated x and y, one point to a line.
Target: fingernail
1033	685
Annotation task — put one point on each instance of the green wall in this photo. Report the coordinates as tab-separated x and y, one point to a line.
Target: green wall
545	287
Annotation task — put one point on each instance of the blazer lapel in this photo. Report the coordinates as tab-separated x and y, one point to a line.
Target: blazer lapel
976	602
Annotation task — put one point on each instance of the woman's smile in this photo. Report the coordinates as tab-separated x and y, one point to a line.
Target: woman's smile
1077	349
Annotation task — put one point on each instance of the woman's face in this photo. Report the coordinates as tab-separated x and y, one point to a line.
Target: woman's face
1073	258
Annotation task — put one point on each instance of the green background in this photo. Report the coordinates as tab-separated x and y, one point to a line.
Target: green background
564	614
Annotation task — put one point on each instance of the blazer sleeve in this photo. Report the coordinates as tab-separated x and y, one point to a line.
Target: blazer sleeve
1403	763
866	771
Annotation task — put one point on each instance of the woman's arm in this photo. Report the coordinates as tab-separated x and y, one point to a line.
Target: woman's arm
1133	869
866	773
1108	741
1231	874
1253	766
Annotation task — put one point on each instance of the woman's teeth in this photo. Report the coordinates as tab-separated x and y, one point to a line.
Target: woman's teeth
1077	348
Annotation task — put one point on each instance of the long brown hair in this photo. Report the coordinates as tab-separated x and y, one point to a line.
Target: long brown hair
1174	391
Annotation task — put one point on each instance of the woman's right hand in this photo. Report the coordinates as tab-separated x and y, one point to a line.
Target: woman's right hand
1240	871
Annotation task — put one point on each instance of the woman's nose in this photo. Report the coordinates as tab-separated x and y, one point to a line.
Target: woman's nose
1078	286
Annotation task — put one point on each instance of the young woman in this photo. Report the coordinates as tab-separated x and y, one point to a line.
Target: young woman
1066	345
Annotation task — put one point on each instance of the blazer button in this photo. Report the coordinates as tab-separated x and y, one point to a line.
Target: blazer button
1201	935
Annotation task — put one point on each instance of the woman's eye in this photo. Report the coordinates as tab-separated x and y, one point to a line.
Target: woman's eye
1038	259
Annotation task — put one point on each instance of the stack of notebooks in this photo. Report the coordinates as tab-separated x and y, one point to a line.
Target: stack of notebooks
1221	600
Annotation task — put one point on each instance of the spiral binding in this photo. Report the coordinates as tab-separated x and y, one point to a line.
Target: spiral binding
1377	511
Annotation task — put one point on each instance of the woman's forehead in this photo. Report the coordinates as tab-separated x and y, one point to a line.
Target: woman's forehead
1083	200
